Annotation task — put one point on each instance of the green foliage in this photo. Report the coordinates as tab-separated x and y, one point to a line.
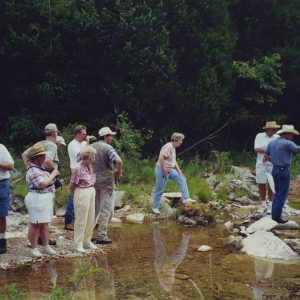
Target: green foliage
130	140
14	293
221	161
200	188
263	77
222	194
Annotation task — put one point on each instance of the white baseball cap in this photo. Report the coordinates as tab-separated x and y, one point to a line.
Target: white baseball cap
106	131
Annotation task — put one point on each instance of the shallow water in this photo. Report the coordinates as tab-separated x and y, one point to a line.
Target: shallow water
160	261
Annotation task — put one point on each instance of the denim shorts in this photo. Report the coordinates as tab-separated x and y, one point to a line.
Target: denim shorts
4	197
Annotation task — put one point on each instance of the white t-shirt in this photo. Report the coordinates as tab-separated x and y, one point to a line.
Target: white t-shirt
5	157
74	148
261	141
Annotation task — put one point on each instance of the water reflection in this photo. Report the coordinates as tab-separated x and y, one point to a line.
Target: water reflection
263	271
165	265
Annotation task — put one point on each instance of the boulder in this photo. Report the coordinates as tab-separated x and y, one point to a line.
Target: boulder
266	244
186	220
172	195
228	225
165	207
264	224
235	242
60	212
16	203
135	218
290	225
119	196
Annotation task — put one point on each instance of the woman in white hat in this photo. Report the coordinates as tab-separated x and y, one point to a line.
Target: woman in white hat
39	200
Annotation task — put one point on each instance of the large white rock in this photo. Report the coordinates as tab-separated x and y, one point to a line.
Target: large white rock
204	248
290	225
266	244
136	218
264	224
172	195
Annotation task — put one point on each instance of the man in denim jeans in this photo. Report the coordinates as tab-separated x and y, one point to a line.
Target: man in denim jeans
280	152
167	167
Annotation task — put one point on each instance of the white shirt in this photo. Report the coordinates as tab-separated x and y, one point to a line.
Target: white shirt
5	157
261	141
74	148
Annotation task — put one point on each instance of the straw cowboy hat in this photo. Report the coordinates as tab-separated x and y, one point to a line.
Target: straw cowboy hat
288	129
36	150
271	125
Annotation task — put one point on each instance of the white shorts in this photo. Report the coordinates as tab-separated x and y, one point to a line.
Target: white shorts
261	172
40	207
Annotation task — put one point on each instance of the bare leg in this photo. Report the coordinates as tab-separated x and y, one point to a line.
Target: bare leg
262	191
44	233
270	194
2	225
33	233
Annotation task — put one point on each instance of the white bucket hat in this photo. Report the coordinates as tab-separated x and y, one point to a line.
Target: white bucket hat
288	129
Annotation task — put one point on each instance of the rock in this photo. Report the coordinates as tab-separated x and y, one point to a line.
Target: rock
266	244
185	220
60	212
16	220
182	276
219	221
244	200
228	225
231	196
291	211
119	196
16	203
165	207
135	218
290	225
264	224
235	230
294	244
235	242
172	195
115	220
125	208
204	248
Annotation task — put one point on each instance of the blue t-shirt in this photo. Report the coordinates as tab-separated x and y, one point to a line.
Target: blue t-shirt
280	150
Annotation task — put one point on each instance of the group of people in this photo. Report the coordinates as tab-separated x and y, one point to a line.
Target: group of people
274	153
96	166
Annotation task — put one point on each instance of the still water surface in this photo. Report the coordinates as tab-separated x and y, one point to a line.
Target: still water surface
160	261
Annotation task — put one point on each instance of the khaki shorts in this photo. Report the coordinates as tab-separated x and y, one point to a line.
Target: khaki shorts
261	172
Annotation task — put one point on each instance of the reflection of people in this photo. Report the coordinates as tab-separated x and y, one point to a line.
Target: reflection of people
261	142
39	200
105	182
263	271
280	152
6	165
83	192
167	167
165	265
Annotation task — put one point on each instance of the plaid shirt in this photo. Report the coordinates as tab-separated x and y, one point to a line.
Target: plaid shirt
35	177
83	176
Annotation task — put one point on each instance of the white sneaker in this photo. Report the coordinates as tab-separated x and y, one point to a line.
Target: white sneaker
47	249
79	248
91	246
188	200
156	211
35	252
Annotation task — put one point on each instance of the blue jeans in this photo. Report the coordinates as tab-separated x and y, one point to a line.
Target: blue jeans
281	177
70	211
161	182
4	197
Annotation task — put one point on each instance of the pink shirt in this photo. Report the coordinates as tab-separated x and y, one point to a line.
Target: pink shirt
83	176
169	153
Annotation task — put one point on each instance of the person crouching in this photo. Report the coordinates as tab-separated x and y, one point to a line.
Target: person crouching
83	192
39	200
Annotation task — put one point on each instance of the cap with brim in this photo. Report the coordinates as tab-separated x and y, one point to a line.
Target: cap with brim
61	140
271	125
36	150
288	129
51	127
106	131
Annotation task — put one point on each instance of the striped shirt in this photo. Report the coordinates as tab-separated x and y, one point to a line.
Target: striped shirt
35	176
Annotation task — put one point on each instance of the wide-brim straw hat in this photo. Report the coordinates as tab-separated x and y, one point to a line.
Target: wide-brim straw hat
271	125
288	129
36	150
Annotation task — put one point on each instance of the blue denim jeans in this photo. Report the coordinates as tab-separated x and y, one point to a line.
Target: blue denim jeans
281	177
4	197
161	182
69	211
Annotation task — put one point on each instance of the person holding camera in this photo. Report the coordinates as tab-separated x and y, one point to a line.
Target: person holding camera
81	139
39	200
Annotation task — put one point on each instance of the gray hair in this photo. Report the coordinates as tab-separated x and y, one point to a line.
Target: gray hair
177	136
87	152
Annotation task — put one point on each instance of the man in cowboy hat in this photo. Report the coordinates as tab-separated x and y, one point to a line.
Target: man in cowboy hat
261	142
279	152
